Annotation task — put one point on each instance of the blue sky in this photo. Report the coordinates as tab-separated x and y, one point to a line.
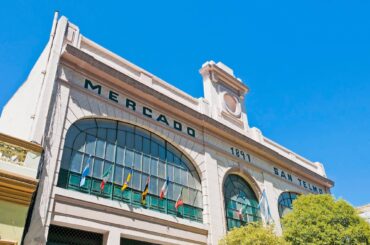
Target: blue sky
307	63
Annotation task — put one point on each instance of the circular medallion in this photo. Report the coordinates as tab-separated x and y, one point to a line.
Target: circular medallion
231	104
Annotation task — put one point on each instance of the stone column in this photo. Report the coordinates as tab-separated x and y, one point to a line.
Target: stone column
213	207
113	237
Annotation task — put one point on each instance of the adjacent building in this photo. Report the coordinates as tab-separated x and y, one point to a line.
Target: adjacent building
19	162
130	159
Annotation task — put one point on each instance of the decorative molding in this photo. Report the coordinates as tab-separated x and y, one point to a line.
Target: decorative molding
21	143
16	188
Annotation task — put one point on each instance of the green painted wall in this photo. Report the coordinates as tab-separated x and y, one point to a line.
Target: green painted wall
12	220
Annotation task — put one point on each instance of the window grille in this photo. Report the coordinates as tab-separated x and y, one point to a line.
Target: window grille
66	236
125	241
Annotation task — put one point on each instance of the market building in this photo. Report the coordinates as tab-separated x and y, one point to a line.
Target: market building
130	159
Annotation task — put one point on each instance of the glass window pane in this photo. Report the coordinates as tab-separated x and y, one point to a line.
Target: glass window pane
153	167
136	181
199	200
152	184
66	158
126	127
111	135
176	174
191	180
185	195
120	155
103	123
158	140
170	191
76	162
154	149
138	143
110	154
91	131
121	138
176	160
130	140
192	197
90	145
176	191
98	168
161	169
169	156
79	142
146	146
72	133
146	164
102	133
129	158
100	145
170	172
184	177
137	161
118	175
162	153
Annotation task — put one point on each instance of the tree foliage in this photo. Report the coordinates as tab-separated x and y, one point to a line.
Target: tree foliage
320	219
252	234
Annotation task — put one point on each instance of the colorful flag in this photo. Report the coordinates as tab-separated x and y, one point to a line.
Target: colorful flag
125	185
85	172
241	212
145	191
105	178
179	201
164	189
264	207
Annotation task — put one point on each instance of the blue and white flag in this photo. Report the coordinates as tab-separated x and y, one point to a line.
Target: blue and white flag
264	207
85	172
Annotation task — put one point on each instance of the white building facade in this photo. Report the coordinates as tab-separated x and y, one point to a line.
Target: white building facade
91	109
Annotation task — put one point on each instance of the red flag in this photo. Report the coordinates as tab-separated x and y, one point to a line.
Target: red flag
179	201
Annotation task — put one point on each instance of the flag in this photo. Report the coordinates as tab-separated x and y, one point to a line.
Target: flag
241	212
145	191
85	172
179	201
164	189
125	185
264	207
105	178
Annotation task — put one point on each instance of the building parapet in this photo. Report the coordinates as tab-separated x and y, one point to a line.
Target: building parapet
19	156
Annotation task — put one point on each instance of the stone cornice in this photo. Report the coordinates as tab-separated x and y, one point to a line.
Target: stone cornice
16	188
87	61
22	143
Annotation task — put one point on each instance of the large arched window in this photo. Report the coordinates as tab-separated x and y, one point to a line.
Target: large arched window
118	149
241	203
285	202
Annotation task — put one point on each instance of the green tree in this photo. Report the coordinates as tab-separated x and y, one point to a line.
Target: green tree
320	219
252	234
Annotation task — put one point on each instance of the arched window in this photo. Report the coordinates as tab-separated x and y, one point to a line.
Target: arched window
241	203
285	202
115	149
